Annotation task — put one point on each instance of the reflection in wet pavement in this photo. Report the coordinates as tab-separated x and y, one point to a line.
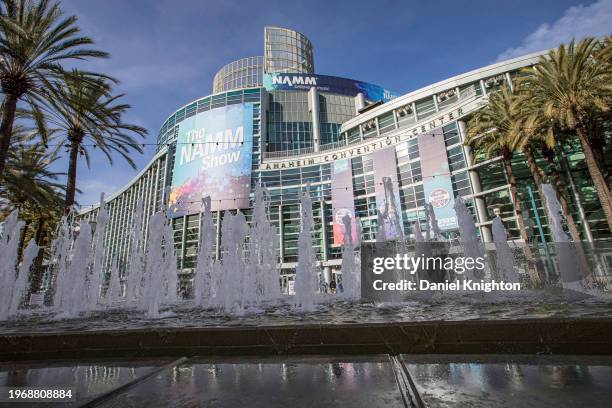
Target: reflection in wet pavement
86	379
572	382
317	381
305	382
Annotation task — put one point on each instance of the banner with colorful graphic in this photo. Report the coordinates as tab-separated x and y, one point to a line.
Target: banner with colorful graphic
387	198
342	200
213	158
283	81
437	184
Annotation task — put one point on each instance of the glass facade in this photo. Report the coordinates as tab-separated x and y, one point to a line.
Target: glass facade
244	73
287	121
287	51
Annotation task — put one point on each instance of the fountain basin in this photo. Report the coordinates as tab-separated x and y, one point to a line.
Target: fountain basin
526	336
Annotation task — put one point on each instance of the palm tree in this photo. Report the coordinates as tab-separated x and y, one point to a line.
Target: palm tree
35	39
573	83
33	187
82	108
537	133
492	130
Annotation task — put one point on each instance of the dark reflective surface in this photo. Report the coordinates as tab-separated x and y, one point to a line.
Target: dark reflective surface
521	382
86	378
306	382
338	381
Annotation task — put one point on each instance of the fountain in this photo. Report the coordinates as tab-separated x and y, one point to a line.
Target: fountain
97	263
504	259
9	244
567	255
137	252
203	289
470	243
307	270
153	276
113	292
234	230
239	280
21	283
77	274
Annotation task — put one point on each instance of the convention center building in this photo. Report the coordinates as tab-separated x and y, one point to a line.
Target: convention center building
273	121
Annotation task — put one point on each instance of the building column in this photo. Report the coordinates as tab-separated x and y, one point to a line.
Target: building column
263	123
280	235
479	203
583	218
218	236
323	229
359	102
313	105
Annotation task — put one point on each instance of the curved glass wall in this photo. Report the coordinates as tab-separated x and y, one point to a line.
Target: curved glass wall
169	130
287	51
243	73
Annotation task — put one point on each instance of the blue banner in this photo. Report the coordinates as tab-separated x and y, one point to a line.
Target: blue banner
213	158
326	83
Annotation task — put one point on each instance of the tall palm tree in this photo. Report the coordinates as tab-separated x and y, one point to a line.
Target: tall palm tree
32	186
35	39
536	133
573	83
82	108
492	130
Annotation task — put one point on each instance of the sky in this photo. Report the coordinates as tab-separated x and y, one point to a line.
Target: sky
166	52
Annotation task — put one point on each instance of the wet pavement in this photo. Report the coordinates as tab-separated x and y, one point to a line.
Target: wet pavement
320	381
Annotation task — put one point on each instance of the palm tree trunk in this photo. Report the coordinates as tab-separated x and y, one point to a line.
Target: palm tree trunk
535	171
6	128
72	173
518	212
601	186
518	207
22	239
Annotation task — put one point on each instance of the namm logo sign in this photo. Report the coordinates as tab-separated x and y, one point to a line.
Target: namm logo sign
293	80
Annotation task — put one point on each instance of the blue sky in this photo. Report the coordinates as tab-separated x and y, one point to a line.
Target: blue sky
165	53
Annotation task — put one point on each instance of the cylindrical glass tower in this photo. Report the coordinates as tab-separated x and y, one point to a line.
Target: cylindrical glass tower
243	73
287	51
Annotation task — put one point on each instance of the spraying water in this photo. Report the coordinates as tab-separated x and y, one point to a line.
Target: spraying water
307	269
234	231
113	293
97	267
567	255
204	290
9	250
75	281
351	278
263	258
136	266
472	248
20	288
504	259
153	278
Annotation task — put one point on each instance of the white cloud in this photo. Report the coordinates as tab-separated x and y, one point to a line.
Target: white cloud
91	189
578	21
